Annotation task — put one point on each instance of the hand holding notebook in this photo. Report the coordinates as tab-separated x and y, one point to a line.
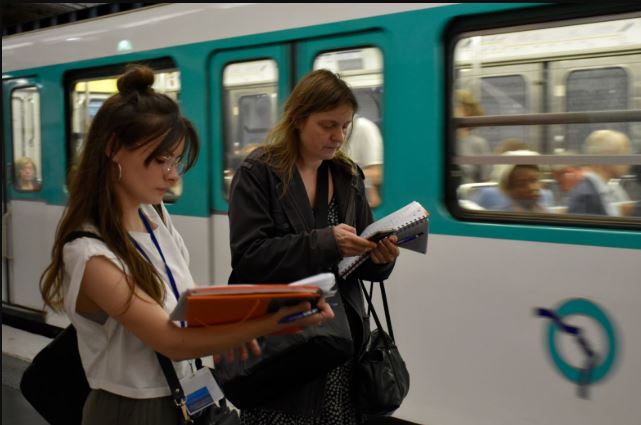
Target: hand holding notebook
409	224
220	304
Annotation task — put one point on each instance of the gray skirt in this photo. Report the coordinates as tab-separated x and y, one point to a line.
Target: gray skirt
105	408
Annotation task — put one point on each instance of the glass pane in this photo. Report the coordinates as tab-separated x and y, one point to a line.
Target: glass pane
588	67
88	95
503	95
25	111
250	105
362	69
603	89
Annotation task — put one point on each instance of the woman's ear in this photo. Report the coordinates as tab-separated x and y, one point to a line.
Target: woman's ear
112	149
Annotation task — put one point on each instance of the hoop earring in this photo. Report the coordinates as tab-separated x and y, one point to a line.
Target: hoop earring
119	170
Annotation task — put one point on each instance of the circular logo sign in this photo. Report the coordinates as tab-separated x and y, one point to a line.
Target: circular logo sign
583	307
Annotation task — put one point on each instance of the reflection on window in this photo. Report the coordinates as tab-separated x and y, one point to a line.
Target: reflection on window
88	95
250	96
25	111
362	69
516	164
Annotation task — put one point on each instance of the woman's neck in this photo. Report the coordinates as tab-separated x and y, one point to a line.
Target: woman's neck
131	219
308	166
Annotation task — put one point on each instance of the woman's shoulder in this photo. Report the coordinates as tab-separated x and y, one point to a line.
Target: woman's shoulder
83	244
257	156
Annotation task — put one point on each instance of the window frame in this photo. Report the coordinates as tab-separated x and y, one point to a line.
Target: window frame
536	17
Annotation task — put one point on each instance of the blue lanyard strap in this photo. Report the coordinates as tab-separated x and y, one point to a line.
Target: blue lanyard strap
174	288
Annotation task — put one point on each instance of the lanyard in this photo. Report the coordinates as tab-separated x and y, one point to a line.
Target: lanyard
170	275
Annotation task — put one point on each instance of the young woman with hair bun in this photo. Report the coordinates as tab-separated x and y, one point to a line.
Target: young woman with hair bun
118	290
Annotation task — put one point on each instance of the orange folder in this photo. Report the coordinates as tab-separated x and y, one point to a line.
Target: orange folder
216	305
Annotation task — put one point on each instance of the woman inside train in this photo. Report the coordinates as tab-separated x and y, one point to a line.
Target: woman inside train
26	177
118	290
297	206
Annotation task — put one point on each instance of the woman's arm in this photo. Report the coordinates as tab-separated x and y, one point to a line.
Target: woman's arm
104	284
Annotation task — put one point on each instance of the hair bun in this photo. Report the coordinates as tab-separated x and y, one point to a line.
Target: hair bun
138	78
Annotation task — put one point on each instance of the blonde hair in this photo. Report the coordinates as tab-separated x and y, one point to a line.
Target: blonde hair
604	142
318	91
20	163
469	103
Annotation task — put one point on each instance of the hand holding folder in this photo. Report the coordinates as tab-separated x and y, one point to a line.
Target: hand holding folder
222	304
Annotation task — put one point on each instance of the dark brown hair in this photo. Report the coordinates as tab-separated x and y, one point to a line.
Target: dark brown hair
130	119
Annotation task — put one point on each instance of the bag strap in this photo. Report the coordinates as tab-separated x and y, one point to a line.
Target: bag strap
372	310
81	234
174	386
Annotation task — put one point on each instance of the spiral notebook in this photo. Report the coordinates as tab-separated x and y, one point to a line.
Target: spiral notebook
409	224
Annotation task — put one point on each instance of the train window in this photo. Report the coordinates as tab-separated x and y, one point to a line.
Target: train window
25	112
591	89
87	96
546	122
503	95
250	99
362	69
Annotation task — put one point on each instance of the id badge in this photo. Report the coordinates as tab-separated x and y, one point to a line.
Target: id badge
201	390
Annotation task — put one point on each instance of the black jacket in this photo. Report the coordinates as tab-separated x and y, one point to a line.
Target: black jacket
273	240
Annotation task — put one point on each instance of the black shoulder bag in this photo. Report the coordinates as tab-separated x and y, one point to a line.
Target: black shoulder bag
381	377
55	383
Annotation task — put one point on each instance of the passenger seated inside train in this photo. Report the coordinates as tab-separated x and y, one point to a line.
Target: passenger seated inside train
518	188
566	177
26	176
599	192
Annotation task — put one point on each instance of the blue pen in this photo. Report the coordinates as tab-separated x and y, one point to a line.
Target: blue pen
409	238
302	314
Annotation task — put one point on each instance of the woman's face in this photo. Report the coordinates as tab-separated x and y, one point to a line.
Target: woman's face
323	133
27	172
146	184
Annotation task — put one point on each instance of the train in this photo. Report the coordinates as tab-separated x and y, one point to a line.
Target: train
512	317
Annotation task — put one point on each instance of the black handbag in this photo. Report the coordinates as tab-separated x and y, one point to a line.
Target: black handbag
55	383
219	414
287	361
381	379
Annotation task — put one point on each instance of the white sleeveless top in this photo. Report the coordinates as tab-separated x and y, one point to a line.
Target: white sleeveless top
114	359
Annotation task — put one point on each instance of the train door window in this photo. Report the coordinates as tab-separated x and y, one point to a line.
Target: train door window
362	70
87	96
529	145
250	99
25	112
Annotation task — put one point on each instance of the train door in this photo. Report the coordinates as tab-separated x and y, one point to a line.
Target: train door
249	88
22	194
358	59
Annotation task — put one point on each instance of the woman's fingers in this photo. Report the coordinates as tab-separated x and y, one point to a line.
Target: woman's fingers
386	251
349	243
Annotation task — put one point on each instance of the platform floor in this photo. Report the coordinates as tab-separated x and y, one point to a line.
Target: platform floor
19	348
